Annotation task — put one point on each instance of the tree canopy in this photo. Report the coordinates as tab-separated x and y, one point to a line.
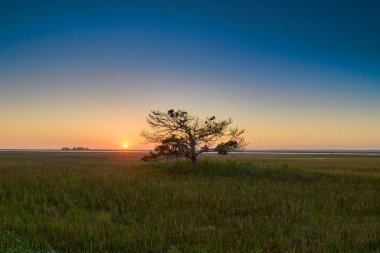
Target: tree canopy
181	135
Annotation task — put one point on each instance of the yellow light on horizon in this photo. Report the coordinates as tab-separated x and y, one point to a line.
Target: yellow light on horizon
125	146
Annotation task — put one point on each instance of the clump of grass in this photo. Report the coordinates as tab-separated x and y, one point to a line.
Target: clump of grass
13	243
233	168
208	167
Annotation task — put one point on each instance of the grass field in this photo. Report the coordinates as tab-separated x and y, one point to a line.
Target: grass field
112	202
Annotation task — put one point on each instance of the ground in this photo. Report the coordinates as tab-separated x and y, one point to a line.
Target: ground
113	202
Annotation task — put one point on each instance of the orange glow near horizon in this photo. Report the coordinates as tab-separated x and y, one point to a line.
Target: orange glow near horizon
104	131
30	124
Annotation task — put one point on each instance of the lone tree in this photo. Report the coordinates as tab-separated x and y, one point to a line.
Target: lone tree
181	135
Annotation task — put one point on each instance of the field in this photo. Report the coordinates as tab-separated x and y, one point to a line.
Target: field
113	202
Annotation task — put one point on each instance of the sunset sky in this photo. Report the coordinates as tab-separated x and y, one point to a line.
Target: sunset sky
294	74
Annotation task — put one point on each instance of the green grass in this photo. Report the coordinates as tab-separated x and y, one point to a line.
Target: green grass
112	202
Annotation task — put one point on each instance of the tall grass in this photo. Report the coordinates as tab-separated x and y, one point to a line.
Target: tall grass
115	203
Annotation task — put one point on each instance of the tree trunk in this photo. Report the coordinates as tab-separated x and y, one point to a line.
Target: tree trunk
193	162
193	154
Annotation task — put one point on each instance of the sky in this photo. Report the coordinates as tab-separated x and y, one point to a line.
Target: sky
295	74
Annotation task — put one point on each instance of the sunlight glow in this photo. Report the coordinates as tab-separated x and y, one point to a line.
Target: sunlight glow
125	145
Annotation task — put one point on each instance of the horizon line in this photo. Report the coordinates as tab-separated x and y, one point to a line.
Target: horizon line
246	150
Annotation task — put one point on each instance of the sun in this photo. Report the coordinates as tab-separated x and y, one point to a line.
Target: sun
125	146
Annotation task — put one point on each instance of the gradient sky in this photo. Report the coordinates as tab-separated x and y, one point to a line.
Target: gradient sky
294	74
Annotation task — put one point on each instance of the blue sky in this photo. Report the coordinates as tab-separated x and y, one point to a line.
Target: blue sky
261	62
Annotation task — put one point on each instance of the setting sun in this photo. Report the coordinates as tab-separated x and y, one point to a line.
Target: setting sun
125	145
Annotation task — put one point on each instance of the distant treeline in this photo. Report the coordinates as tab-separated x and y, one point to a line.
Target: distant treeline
76	148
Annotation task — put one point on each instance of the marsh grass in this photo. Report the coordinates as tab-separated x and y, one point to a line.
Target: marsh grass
71	202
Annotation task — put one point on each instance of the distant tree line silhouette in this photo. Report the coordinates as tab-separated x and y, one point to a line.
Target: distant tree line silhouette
76	148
